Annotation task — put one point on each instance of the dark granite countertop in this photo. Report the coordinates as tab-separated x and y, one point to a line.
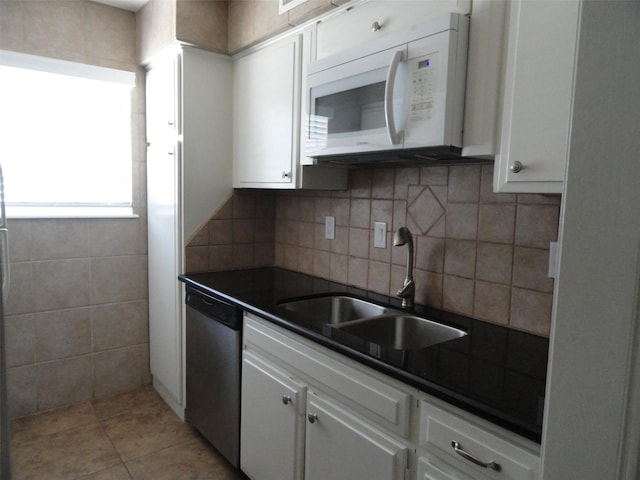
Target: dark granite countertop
494	372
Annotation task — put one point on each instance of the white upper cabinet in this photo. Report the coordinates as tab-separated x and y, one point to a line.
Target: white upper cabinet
538	96
266	115
267	127
366	21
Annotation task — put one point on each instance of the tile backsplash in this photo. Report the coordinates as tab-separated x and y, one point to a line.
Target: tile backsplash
477	253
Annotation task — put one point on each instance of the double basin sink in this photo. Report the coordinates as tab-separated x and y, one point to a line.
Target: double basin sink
387	327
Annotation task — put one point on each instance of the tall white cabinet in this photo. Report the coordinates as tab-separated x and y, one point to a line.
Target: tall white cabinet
189	173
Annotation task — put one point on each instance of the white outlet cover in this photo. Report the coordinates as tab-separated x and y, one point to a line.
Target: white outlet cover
380	235
330	228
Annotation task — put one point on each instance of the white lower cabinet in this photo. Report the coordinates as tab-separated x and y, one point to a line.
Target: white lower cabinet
341	446
272	425
455	447
310	413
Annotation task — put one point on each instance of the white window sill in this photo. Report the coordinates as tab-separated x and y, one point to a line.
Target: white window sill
32	213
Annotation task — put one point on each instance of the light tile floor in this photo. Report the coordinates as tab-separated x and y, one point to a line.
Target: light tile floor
134	436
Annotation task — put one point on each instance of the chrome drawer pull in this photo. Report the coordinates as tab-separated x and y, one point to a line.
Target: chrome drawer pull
467	456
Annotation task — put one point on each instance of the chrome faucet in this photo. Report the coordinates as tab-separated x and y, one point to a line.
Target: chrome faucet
408	290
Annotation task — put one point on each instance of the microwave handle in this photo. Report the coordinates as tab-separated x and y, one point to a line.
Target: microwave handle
394	136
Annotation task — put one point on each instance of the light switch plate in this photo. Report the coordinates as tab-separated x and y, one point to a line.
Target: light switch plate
330	227
380	235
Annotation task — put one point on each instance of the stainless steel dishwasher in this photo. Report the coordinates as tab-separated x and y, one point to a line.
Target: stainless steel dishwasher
213	359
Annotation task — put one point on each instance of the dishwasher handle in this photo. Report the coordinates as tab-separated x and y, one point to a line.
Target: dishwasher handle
214	308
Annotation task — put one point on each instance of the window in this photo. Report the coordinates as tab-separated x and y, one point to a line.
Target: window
65	131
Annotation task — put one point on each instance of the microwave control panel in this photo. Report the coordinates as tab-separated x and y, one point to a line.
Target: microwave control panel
423	87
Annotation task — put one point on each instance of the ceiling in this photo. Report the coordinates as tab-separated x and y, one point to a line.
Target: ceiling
133	5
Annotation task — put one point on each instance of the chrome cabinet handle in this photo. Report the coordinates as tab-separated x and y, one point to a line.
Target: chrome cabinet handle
376	26
286	399
516	167
286	174
312	417
467	456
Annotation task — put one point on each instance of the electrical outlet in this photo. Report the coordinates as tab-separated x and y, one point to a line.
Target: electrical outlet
380	235
330	228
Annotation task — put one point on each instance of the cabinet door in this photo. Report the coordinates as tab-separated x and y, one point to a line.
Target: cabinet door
165	302
341	447
272	422
428	471
267	115
538	95
370	20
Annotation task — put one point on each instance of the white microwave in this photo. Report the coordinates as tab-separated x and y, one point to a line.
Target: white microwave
404	91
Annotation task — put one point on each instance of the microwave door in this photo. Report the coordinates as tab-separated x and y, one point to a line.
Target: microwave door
355	101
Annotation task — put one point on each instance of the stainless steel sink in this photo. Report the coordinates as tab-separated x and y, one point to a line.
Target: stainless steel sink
401	332
334	310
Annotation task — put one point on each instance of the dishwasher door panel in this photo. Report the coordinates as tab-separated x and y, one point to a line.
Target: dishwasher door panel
213	382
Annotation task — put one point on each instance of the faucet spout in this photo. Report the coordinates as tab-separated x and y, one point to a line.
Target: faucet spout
407	292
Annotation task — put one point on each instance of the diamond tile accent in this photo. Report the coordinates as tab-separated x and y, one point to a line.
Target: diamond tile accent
425	209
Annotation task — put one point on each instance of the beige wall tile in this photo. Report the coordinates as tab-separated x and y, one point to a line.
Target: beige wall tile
322	207
220	257
434	176
306	207
243	230
460	258
339	267
110	33
403	178
379	276
11	31
20	289
492	302
117	371
305	234
531	311
457	294
496	223
340	209
462	221
340	244
382	184
203	23
119	325
220	232
428	288
22	391
64	382
20	340
359	242
360	213
464	183
429	254
197	259
360	183
111	237
531	269
536	225
494	263
19	240
59	239
267	21
322	264
118	279
358	272
54	27
62	284
243	256
62	333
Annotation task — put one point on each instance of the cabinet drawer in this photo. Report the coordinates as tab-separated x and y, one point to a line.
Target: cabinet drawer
372	397
427	471
502	458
